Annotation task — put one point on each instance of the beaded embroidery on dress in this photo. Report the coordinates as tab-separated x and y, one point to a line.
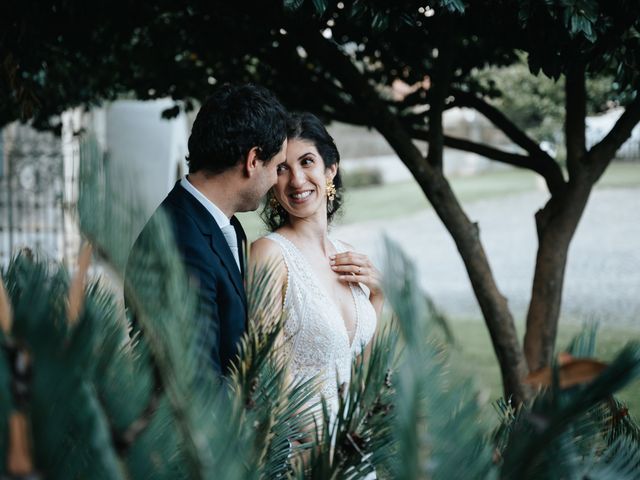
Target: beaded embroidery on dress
316	338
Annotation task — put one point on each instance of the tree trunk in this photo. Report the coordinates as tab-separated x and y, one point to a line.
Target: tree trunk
467	237
556	224
492	303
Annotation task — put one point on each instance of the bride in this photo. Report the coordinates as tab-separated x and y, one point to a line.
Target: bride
331	295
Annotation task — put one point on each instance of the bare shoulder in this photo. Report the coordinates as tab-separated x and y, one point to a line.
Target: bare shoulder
263	248
267	278
266	253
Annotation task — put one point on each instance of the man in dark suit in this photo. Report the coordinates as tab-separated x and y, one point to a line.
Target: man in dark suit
237	141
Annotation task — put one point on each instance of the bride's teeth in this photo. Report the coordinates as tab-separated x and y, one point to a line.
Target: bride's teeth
299	196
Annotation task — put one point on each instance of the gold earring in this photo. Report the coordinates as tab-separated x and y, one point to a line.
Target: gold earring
331	190
273	203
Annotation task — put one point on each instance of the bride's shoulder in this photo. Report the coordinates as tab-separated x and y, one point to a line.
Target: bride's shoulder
265	247
265	250
266	254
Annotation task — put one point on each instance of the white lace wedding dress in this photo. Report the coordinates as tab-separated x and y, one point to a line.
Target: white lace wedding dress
317	342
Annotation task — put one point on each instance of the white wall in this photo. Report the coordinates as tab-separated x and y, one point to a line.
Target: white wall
144	149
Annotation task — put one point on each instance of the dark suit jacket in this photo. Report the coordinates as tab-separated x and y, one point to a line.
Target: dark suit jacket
214	272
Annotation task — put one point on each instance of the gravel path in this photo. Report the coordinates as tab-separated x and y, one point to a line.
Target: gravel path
603	273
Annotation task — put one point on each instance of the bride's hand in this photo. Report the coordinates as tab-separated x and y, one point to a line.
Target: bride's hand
356	267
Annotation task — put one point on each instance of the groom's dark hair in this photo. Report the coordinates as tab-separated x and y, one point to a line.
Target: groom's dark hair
231	122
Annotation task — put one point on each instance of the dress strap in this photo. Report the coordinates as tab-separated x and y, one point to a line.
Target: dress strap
294	297
339	245
292	256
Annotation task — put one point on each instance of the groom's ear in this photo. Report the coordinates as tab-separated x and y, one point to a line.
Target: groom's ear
251	161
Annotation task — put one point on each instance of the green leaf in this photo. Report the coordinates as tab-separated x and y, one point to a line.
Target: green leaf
293	5
408	19
320	6
380	22
454	5
584	344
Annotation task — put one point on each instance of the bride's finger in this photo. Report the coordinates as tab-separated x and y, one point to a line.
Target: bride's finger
355	269
354	278
351	258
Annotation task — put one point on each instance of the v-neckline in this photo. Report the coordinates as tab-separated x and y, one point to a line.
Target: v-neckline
314	278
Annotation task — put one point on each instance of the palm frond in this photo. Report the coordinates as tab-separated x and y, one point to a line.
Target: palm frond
156	288
278	412
439	432
562	420
584	344
621	461
356	439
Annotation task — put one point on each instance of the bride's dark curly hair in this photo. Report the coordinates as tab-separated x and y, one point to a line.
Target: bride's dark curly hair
306	126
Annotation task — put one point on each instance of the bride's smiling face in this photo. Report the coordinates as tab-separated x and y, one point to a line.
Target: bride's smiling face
302	180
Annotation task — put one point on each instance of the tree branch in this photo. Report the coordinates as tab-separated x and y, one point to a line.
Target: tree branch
513	159
495	116
366	96
601	154
541	161
555	184
576	112
441	78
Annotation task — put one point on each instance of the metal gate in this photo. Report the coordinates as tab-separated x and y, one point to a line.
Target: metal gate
31	193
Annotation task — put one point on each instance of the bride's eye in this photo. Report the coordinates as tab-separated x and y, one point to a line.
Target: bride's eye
281	168
306	161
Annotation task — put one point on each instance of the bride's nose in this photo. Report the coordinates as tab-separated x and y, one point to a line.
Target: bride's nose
296	179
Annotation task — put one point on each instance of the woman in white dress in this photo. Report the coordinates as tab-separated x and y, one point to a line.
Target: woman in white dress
331	295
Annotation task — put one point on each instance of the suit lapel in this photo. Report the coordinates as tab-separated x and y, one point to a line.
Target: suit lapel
208	226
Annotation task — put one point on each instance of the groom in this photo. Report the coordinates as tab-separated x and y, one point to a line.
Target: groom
236	143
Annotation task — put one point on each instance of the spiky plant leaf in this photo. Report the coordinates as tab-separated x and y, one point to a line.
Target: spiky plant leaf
356	439
621	461
156	288
584	344
545	429
280	411
439	432
416	425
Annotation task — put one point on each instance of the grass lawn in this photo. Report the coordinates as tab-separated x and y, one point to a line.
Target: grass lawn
395	200
474	355
398	199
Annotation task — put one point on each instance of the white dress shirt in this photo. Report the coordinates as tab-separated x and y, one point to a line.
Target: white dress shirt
218	215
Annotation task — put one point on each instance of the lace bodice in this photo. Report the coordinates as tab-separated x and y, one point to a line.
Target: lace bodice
317	341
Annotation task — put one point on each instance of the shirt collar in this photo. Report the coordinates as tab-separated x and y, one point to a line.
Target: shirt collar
221	219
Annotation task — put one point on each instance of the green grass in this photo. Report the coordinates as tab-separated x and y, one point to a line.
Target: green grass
405	198
621	175
474	355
